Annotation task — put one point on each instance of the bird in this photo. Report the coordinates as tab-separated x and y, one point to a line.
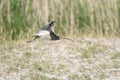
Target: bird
46	30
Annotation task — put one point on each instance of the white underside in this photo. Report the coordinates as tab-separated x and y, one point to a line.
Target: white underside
42	33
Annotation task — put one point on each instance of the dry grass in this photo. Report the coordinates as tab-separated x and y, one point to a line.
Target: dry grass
87	59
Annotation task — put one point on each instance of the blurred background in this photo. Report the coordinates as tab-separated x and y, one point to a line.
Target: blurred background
19	19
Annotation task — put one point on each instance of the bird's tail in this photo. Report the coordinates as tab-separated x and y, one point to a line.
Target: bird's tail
30	41
68	39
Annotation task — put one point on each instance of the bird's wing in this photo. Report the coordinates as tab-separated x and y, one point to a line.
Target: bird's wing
48	26
45	27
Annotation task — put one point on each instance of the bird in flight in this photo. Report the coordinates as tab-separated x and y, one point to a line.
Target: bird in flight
46	30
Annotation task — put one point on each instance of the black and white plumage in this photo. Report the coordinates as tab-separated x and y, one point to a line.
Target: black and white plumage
46	30
53	36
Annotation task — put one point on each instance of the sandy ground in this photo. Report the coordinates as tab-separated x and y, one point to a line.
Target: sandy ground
87	59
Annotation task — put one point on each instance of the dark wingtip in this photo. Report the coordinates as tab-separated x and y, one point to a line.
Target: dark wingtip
52	23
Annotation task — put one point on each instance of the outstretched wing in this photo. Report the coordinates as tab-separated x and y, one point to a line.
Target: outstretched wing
45	30
48	26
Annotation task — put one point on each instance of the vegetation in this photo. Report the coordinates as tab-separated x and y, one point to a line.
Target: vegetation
74	17
87	59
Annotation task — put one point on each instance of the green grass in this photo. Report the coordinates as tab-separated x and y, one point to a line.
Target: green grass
19	19
115	55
